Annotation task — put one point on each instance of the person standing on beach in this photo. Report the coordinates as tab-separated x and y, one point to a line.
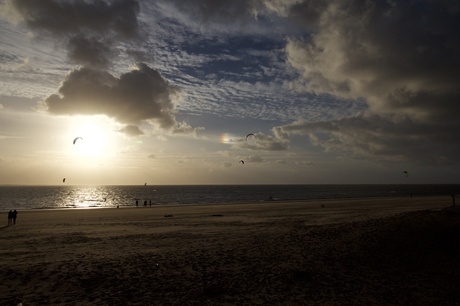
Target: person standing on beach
14	215
10	217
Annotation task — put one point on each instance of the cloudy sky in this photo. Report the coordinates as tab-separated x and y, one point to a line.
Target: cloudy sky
165	92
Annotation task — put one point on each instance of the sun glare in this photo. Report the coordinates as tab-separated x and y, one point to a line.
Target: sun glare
228	138
92	137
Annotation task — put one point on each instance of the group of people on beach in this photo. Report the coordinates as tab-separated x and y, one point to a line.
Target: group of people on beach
12	215
145	203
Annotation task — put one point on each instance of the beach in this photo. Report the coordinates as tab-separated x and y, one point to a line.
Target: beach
386	251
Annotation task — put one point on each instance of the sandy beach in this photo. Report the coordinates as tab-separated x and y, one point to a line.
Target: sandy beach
392	251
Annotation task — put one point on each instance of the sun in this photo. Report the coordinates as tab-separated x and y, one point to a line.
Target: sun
92	141
92	137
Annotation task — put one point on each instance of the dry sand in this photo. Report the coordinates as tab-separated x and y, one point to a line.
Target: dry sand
403	251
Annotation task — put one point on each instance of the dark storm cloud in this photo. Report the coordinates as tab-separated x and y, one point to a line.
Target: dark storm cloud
136	96
383	139
400	56
91	31
88	27
74	16
86	51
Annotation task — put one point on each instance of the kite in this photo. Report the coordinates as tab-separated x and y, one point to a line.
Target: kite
63	180
242	162
405	172
250	136
75	140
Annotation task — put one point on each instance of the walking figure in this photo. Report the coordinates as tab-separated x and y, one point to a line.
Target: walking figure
10	217
14	216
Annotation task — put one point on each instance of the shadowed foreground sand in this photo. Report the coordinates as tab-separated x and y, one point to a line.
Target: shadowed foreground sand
349	252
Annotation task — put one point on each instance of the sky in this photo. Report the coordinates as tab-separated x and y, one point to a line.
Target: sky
166	91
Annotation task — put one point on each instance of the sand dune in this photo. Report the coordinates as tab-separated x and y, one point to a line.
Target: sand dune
343	252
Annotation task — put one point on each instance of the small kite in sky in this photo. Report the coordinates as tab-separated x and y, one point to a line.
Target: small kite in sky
242	162
63	180
406	173
75	140
250	137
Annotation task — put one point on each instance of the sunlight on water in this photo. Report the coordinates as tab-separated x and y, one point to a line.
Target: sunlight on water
86	197
51	197
83	197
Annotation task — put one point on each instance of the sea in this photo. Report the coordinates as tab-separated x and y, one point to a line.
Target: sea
87	197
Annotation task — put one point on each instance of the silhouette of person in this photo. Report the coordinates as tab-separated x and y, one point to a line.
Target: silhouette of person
137	203
145	203
10	217
14	215
150	203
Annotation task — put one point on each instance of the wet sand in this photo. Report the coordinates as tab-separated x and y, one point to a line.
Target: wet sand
400	251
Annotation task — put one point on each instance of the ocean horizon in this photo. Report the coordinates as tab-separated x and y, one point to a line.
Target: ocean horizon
105	196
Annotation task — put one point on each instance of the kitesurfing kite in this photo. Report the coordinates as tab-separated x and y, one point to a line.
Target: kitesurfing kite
63	180
250	136
75	140
242	162
405	172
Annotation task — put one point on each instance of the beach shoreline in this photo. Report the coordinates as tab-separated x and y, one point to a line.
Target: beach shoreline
342	251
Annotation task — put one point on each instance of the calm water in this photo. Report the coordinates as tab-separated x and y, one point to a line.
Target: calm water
56	197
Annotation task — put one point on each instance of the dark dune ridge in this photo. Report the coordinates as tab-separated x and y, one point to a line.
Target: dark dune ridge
316	253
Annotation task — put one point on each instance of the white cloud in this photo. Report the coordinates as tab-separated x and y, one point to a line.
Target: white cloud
131	130
262	142
254	159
